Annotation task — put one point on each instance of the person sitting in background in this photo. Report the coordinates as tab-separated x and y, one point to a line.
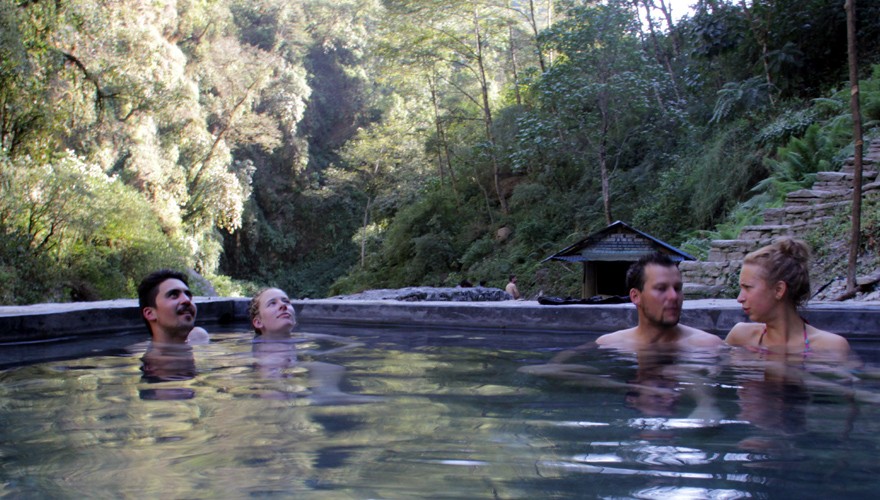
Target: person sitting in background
774	283
511	288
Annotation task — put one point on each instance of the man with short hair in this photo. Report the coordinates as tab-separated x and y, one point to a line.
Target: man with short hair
167	307
655	288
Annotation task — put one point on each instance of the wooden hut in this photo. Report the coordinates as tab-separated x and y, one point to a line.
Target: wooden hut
607	254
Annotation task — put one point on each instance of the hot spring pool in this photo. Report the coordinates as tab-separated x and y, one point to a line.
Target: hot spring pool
416	413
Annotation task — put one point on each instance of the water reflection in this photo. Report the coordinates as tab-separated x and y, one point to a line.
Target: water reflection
686	493
775	394
455	419
277	360
167	363
653	390
664	377
778	402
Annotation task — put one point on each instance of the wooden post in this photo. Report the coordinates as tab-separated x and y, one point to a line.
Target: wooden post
589	280
852	46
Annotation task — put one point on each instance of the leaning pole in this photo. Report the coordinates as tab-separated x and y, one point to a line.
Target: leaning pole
852	46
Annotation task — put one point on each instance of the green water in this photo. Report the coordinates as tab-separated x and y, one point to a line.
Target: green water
420	414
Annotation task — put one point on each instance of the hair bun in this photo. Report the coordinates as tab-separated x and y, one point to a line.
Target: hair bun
794	248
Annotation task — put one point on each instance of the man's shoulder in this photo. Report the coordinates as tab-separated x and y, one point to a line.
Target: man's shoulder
619	337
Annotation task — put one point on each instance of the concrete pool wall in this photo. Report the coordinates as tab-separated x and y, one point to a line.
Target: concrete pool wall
46	322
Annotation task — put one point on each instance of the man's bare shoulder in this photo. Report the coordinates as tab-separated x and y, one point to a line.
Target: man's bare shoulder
620	337
696	337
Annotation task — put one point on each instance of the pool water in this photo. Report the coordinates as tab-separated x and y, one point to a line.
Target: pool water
413	413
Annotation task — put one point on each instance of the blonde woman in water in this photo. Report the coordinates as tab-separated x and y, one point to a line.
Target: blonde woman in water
774	283
273	319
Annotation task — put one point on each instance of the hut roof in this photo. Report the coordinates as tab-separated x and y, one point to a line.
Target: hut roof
617	242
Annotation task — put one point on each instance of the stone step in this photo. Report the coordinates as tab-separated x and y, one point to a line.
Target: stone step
707	273
799	227
814	196
774	216
844	176
831	181
803	211
869	170
696	291
825	199
794	219
764	231
871	147
870	162
729	250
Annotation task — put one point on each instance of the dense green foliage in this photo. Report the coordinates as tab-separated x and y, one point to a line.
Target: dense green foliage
334	146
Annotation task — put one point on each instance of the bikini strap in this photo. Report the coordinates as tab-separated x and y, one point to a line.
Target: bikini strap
806	339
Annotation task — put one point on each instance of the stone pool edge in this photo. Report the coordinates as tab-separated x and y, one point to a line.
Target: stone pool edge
46	322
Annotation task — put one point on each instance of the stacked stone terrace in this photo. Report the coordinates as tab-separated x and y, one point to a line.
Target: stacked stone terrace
803	211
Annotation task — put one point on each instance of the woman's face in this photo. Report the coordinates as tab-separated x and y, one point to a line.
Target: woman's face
275	316
757	296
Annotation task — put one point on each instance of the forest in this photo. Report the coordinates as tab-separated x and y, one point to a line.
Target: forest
333	146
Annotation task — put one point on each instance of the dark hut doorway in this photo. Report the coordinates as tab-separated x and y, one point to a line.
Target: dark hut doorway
611	278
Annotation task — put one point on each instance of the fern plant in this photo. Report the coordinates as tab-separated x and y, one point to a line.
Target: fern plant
750	95
796	164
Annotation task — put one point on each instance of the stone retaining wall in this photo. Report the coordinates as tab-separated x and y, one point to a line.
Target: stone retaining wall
39	324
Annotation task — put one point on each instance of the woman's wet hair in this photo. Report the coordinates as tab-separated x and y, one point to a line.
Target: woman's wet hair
254	307
787	260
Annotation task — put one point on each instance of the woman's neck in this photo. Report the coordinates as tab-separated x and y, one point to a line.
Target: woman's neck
787	327
278	335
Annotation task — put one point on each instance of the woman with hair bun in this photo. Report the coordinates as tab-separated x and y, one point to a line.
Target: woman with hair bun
774	283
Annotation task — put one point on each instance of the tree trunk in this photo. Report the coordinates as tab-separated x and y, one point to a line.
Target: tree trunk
513	65
761	35
852	46
673	35
662	57
364	233
487	115
550	23
442	143
603	165
533	22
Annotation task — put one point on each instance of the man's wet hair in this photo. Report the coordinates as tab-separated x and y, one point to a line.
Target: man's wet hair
635	275
148	290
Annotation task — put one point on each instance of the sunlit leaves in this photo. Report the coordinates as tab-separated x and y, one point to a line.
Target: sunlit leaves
93	236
